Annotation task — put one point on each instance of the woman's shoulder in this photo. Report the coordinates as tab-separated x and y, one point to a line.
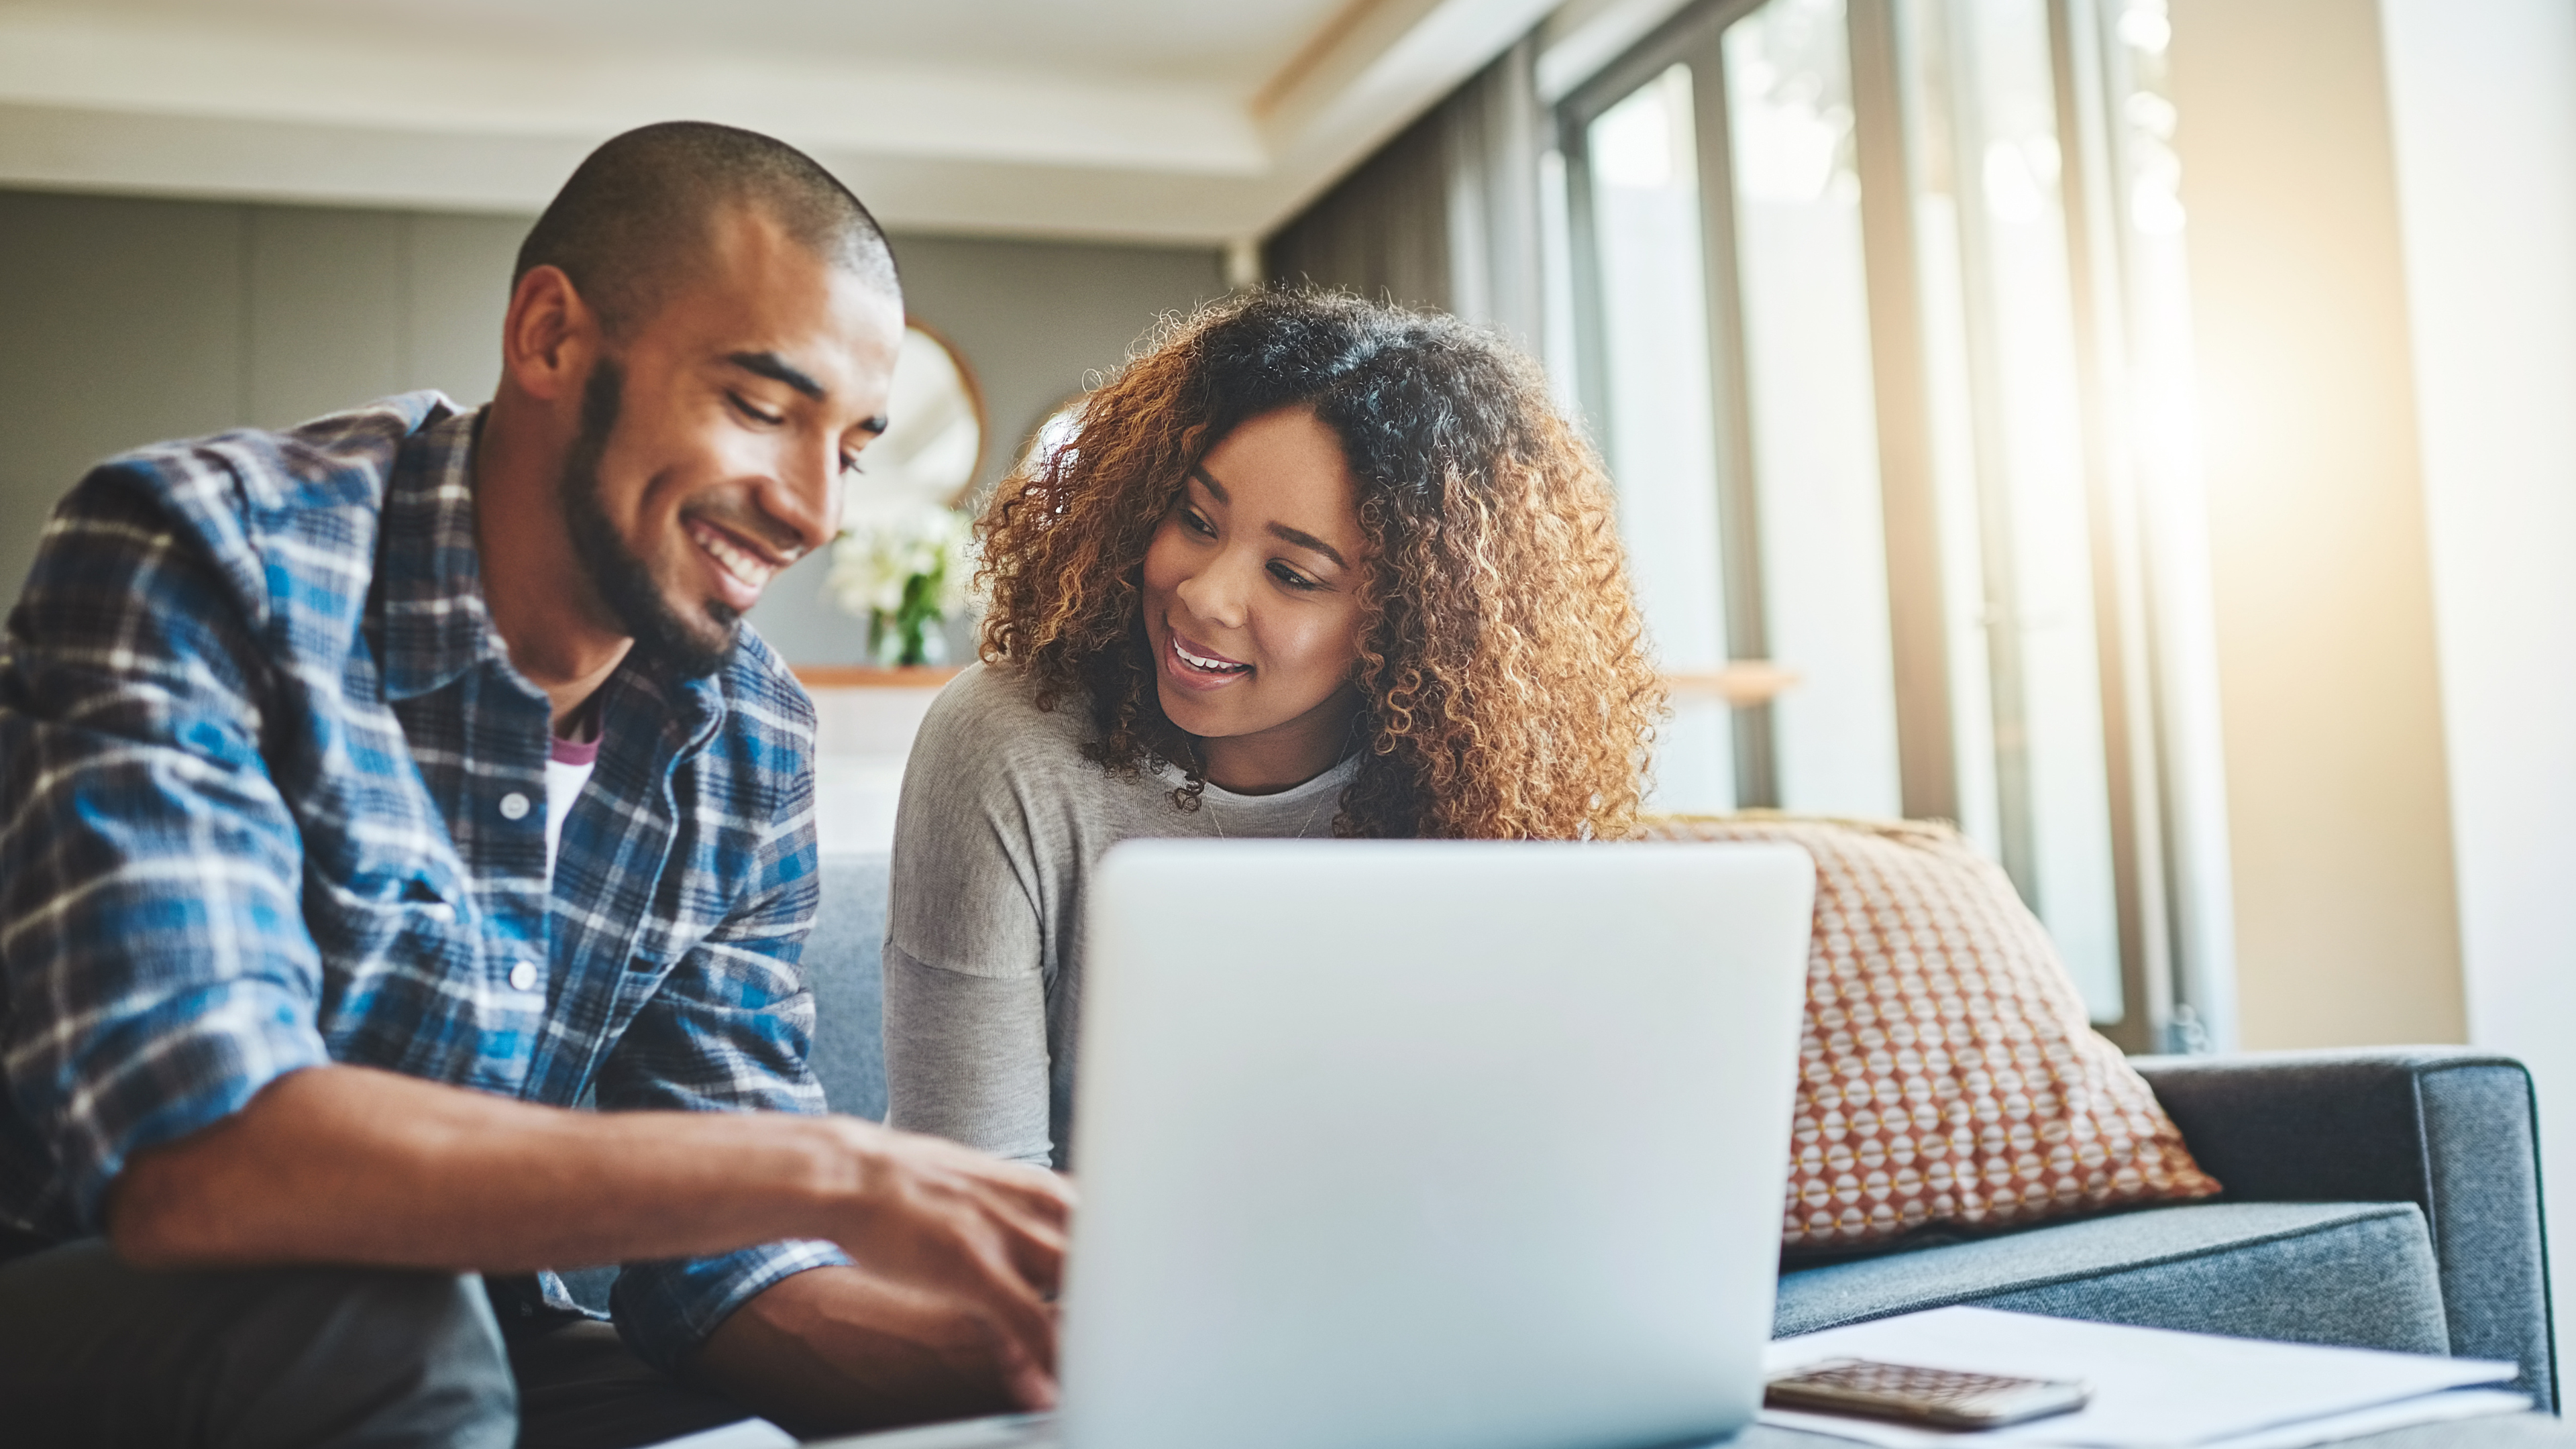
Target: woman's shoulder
989	715
990	770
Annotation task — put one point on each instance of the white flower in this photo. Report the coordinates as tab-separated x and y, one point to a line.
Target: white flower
885	547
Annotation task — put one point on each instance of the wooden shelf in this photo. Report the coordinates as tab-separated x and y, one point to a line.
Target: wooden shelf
873	676
1741	683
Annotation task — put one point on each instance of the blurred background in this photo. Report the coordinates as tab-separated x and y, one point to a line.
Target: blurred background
2141	431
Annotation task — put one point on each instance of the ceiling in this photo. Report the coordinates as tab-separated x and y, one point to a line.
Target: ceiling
1203	121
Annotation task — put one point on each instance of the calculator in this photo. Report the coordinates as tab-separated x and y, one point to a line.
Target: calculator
1942	1398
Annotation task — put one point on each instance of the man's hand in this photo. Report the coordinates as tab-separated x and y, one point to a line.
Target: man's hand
949	1221
947	1315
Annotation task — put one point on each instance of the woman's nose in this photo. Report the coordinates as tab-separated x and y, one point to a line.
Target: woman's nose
1212	594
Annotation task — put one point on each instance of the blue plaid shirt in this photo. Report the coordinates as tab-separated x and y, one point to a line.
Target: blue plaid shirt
272	795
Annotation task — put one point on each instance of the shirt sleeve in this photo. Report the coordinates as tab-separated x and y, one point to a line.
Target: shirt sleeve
157	968
965	985
730	1029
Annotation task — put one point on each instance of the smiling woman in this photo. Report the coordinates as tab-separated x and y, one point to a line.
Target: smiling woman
1308	566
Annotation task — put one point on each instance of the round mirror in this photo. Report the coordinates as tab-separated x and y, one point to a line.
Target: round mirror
934	437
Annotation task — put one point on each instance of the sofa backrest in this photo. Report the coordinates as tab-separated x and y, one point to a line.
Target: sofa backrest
844	965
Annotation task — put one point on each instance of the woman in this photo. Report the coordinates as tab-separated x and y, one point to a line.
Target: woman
1310	566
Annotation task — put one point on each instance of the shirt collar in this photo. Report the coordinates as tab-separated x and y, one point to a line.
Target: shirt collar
429	579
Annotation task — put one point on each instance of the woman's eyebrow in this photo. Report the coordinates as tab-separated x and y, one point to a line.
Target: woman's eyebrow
1303	539
1213	486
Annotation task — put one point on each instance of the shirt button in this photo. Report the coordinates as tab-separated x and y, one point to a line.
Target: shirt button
514	806
523	977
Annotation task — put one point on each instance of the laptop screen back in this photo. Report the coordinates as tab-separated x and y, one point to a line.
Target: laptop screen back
1430	1144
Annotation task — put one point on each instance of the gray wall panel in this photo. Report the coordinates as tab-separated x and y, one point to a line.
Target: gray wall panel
121	322
329	306
460	286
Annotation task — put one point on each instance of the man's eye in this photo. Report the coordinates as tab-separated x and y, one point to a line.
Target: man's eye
753	413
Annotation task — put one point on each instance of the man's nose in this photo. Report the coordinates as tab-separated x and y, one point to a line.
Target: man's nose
804	500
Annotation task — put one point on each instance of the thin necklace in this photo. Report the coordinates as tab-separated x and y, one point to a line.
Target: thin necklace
1216	817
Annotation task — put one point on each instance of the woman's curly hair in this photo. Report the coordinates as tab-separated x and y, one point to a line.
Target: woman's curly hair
1506	688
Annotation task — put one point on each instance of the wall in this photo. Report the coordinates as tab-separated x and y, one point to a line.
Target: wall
2483	96
2347	930
123	321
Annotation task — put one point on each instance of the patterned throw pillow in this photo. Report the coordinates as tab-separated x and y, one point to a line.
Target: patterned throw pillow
1949	1071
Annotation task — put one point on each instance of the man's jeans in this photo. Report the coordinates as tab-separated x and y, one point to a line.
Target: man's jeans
94	1353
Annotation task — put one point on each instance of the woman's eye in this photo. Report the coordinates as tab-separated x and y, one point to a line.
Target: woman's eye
1292	578
1191	520
753	413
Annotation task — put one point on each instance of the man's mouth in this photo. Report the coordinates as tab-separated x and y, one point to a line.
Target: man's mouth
750	568
1212	666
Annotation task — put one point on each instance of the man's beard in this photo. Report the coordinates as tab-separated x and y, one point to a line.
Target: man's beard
691	648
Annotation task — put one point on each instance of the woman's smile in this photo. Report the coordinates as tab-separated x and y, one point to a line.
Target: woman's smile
1194	666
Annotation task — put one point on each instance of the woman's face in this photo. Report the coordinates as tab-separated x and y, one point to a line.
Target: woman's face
1252	602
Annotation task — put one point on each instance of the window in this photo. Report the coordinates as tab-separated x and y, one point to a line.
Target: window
1874	301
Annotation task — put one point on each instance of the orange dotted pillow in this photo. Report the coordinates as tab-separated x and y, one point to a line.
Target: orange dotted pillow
1949	1071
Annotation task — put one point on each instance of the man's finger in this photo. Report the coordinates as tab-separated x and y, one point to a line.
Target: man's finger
1018	1311
1040	1193
1037	1250
1031	1387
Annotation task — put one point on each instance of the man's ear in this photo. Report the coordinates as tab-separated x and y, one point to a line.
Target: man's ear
549	337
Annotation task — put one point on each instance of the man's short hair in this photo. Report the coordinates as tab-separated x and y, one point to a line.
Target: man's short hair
638	214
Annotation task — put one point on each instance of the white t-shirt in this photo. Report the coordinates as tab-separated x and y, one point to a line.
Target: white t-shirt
568	767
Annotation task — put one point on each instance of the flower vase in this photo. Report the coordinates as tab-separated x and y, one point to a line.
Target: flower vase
903	639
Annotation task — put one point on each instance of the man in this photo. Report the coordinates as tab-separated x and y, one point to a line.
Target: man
373	794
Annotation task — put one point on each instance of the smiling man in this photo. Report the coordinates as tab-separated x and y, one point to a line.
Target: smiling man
376	795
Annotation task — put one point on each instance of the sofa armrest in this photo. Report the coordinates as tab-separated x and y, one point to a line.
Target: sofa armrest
2448	1129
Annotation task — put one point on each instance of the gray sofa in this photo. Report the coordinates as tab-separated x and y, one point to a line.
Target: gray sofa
2387	1198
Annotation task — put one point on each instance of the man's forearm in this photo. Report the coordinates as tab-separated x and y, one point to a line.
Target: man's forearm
836	1351
351	1165
342	1164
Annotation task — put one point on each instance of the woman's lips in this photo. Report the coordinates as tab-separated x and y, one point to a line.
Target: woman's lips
1188	664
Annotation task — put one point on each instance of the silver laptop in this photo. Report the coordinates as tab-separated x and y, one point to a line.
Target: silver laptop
1425	1145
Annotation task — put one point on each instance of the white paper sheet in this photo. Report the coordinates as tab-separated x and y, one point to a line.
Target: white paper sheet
997	1431
2404	1414
2152	1389
748	1434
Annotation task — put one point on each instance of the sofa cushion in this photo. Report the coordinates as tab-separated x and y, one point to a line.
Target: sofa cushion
1949	1072
2357	1274
844	966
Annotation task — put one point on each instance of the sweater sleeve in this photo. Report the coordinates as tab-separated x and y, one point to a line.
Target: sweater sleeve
966	954
966	1057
